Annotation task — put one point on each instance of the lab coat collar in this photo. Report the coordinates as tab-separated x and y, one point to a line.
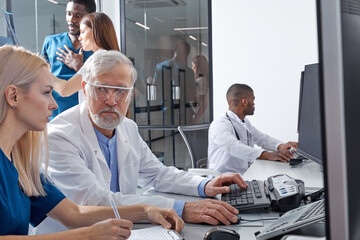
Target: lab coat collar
89	133
122	139
236	120
234	117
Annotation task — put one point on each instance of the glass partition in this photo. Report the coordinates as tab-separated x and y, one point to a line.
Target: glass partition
168	41
34	20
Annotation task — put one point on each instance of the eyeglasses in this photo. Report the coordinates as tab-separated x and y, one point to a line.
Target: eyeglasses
104	91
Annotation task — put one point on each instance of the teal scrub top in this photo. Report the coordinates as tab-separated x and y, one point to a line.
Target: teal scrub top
18	210
59	69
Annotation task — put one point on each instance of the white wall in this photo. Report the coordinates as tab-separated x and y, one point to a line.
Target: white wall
112	9
264	44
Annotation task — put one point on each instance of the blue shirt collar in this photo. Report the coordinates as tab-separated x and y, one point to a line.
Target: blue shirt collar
103	139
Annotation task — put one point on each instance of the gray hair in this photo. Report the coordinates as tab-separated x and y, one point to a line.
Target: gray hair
102	62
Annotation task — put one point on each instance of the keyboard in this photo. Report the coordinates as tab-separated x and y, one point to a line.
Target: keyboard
295	219
253	197
317	209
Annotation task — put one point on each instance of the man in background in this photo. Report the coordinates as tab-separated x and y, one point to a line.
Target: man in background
232	137
63	51
181	75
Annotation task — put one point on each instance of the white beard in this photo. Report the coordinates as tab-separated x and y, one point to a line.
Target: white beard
107	122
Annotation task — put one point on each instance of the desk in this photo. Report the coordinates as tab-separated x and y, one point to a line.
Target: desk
310	173
197	231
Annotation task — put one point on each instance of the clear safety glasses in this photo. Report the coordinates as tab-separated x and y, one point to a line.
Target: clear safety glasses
103	92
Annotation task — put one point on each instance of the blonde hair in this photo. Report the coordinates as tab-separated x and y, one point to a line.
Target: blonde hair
19	67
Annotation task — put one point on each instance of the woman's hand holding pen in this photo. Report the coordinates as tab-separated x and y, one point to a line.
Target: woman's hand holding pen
109	229
166	217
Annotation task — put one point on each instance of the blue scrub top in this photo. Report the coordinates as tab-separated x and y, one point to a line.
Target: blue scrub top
59	69
18	210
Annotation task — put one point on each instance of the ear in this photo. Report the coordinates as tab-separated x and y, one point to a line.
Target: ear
11	95
83	88
244	101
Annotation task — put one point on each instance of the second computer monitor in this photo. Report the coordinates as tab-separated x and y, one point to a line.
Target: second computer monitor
309	121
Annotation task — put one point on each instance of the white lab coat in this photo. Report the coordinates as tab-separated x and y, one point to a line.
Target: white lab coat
226	153
79	169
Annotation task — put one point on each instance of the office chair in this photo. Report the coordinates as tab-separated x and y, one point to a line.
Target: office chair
196	141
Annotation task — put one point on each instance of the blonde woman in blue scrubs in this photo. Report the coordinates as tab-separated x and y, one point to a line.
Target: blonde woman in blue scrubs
25	194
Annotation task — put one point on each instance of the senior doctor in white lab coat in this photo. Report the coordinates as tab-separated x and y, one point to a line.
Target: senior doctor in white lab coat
232	137
96	151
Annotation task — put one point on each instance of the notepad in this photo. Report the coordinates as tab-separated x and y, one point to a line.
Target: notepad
158	233
297	237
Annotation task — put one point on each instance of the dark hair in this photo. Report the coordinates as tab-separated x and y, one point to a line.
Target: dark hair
236	92
89	5
202	66
103	30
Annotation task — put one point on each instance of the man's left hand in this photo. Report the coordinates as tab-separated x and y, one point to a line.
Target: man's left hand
288	145
70	58
220	184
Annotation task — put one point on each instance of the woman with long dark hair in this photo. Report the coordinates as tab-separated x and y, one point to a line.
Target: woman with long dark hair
200	67
97	33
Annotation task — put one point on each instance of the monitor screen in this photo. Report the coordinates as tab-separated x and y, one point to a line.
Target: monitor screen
339	52
300	100
309	121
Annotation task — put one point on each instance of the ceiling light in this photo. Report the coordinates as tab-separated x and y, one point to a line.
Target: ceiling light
57	3
190	28
204	44
192	37
162	21
141	25
53	1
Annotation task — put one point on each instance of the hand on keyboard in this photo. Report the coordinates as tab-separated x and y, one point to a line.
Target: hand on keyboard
287	146
254	197
279	155
294	153
221	183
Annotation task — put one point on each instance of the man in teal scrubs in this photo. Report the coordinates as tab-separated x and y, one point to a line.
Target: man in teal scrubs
63	51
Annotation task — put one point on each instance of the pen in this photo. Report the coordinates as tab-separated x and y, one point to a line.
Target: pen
112	203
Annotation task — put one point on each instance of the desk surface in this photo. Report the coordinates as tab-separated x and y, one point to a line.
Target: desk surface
311	173
197	231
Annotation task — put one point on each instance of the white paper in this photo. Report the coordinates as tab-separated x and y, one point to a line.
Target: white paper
158	233
297	237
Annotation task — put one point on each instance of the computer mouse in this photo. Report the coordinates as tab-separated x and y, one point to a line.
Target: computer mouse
221	233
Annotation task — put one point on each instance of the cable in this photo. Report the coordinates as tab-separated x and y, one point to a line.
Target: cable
312	197
259	219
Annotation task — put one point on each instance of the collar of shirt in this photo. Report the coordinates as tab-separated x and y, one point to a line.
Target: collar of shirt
236	120
235	117
105	140
109	150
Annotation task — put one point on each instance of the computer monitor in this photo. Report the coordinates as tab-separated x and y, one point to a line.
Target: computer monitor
300	100
9	19
309	120
339	46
